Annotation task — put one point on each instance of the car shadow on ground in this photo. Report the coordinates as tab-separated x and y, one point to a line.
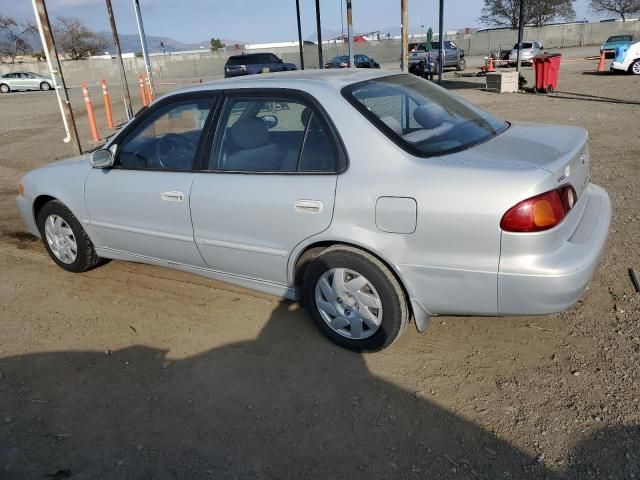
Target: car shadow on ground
287	405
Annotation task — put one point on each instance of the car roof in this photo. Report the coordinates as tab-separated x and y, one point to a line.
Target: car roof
330	79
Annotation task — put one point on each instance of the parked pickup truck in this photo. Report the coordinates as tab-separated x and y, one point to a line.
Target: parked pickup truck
453	56
252	63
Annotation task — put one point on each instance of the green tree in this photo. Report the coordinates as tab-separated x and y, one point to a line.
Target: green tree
537	12
216	45
624	8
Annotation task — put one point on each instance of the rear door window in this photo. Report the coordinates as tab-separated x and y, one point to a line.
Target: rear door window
275	135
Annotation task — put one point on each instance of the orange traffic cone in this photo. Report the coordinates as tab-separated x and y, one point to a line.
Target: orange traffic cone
601	62
491	67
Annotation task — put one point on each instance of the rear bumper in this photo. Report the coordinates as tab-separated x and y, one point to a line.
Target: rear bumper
540	284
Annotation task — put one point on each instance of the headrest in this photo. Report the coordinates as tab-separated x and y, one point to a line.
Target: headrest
250	133
429	115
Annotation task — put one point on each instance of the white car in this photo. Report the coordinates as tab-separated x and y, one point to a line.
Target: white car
529	50
24	81
627	60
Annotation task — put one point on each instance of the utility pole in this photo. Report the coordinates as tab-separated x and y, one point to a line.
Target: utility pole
520	34
404	29
441	41
350	33
143	42
49	46
300	35
123	75
319	28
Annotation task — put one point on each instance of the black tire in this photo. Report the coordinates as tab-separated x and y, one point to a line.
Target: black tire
634	68
4	88
86	257
462	64
45	86
395	310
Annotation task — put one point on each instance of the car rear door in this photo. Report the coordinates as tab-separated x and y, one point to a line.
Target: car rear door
141	205
265	188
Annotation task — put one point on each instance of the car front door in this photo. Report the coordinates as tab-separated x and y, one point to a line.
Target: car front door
141	205
269	185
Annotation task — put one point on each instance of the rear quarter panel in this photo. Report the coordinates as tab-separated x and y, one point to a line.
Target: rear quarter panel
451	260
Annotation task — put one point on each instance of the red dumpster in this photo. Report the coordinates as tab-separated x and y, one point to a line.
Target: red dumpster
547	67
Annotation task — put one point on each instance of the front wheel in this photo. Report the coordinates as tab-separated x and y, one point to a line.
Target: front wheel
635	67
45	86
354	299
64	238
462	64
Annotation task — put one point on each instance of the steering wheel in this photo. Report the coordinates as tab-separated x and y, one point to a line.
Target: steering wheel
174	151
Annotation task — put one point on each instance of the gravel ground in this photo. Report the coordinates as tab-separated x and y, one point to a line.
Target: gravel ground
131	371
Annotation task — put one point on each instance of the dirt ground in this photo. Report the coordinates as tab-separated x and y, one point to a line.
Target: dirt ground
136	372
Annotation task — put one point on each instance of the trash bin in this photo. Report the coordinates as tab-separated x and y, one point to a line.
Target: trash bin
547	67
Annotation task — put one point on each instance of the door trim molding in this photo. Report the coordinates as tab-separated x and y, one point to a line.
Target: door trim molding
242	246
141	231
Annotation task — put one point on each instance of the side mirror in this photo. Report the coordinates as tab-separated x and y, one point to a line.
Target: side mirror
280	60
102	159
270	121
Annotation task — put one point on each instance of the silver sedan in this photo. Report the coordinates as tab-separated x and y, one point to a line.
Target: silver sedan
376	198
24	81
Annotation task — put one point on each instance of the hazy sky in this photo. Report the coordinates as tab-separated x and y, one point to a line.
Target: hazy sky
255	20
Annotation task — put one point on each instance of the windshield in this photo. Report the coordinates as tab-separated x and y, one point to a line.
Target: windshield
619	38
422	118
524	45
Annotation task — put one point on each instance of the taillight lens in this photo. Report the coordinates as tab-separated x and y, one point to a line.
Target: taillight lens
541	212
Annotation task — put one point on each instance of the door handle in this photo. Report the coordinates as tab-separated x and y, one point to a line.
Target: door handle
308	206
173	196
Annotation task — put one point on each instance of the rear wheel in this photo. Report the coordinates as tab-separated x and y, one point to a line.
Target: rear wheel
64	238
4	88
354	299
635	67
45	86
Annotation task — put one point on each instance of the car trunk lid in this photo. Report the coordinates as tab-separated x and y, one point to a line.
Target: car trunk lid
560	150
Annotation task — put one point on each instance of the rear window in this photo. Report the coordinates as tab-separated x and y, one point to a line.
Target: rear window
421	117
524	45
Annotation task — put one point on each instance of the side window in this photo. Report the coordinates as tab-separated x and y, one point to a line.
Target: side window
168	139
271	135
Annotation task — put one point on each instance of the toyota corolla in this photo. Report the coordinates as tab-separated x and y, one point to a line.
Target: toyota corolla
375	198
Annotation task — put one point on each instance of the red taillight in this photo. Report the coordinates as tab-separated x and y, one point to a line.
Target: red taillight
541	212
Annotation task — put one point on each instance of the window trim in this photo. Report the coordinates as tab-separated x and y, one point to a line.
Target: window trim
347	93
342	160
146	112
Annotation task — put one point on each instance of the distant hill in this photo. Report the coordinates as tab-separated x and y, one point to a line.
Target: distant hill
131	43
